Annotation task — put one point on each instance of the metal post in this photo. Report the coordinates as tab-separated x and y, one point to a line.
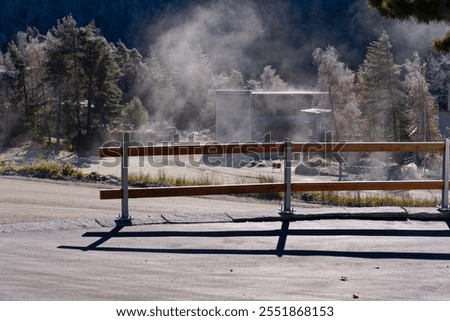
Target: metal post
124	217
287	209
445	176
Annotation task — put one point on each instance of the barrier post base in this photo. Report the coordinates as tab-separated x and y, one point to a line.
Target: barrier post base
286	215
120	221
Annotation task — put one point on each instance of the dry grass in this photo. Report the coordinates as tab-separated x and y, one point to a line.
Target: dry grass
365	200
42	169
162	179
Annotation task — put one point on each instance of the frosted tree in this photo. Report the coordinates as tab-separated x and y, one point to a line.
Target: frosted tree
270	81
380	94
39	88
422	106
335	78
231	81
26	78
438	75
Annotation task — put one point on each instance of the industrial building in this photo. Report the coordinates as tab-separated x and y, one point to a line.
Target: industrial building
245	115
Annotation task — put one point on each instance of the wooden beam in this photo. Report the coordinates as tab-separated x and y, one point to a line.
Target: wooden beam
271	188
249	148
367	186
369	147
194	190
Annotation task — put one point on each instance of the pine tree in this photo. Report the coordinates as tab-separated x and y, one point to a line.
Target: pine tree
66	76
131	66
83	70
134	114
16	70
338	81
8	119
101	91
380	94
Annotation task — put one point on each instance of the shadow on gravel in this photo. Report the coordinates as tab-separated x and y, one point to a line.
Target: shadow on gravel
282	235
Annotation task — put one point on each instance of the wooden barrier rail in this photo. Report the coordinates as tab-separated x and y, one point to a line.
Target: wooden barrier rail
286	149
272	188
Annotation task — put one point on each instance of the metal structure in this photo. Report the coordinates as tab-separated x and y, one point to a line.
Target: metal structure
445	175
124	216
287	207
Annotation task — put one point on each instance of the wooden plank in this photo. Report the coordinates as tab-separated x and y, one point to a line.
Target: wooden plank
271	188
367	186
249	148
368	147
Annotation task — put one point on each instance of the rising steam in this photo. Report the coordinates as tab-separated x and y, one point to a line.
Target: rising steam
191	50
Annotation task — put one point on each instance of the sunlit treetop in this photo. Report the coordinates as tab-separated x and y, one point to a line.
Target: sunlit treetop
425	11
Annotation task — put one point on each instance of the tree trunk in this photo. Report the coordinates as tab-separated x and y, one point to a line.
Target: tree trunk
89	111
58	121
